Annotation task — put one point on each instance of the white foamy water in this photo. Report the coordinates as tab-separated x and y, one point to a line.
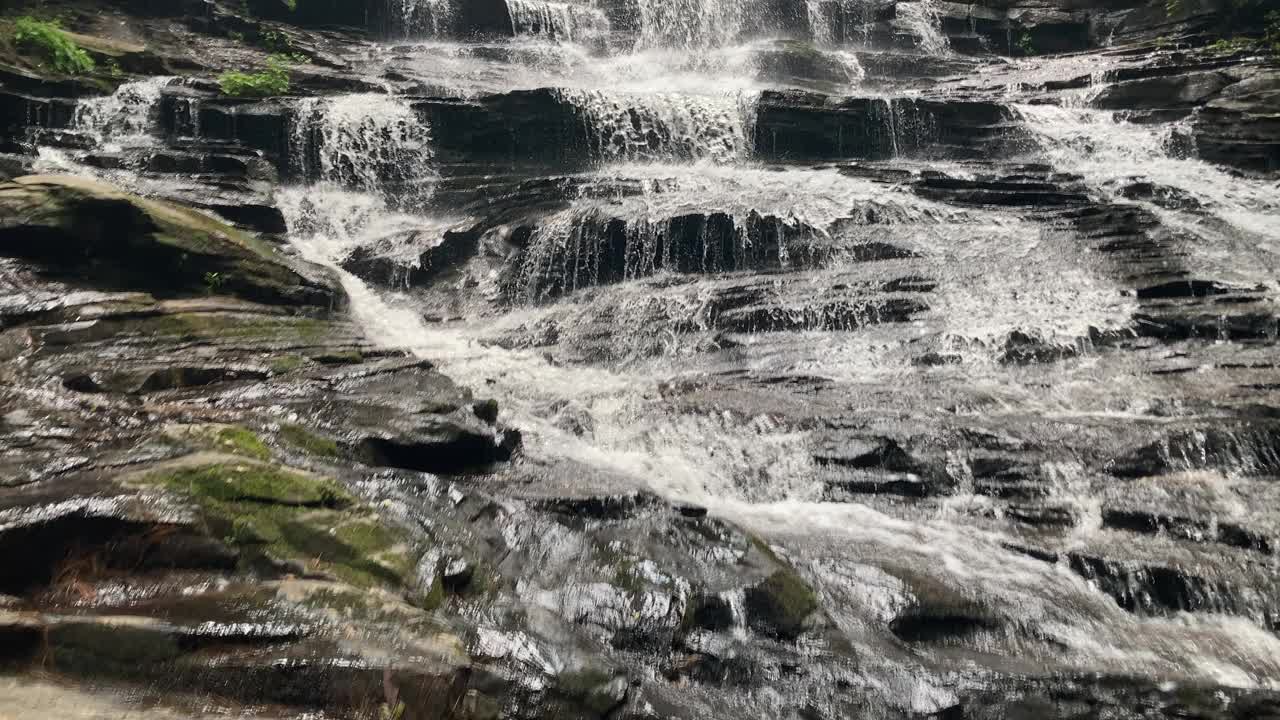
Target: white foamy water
1235	216
692	23
365	142
920	17
128	116
567	21
420	18
665	126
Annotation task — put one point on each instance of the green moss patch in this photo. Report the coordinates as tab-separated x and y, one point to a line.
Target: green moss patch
257	483
304	439
278	513
242	441
284	364
780	604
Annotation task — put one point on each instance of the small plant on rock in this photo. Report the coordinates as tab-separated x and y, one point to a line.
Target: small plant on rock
272	81
1025	45
49	41
213	282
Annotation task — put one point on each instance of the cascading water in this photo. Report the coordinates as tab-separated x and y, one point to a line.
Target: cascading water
1114	154
659	126
692	24
921	19
837	21
648	287
366	142
128	115
420	18
558	20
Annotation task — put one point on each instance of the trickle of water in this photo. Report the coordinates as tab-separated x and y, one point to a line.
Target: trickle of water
129	115
369	142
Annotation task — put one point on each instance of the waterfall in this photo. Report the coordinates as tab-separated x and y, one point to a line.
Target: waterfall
663	126
130	114
921	18
691	23
420	18
366	142
1110	152
833	22
558	20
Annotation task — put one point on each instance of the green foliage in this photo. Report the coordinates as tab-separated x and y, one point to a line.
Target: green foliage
1240	15
213	282
47	40
1224	46
1025	45
1269	42
243	441
276	41
292	5
304	439
272	81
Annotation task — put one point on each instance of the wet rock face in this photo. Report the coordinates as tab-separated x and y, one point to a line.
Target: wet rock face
1238	127
81	228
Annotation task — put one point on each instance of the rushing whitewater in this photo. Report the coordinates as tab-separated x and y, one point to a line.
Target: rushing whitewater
128	115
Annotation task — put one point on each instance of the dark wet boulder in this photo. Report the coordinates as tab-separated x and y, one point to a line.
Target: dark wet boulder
438	444
1021	348
315	13
780	604
937	612
1240	126
1182	91
708	612
793	125
795	62
95	233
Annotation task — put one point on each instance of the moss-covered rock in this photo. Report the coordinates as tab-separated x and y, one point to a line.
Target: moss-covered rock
938	612
233	439
303	439
780	604
286	515
94	232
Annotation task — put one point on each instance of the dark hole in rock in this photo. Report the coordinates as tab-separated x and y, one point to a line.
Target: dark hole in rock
63	549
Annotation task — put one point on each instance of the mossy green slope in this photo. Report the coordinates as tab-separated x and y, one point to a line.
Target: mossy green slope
270	511
115	238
